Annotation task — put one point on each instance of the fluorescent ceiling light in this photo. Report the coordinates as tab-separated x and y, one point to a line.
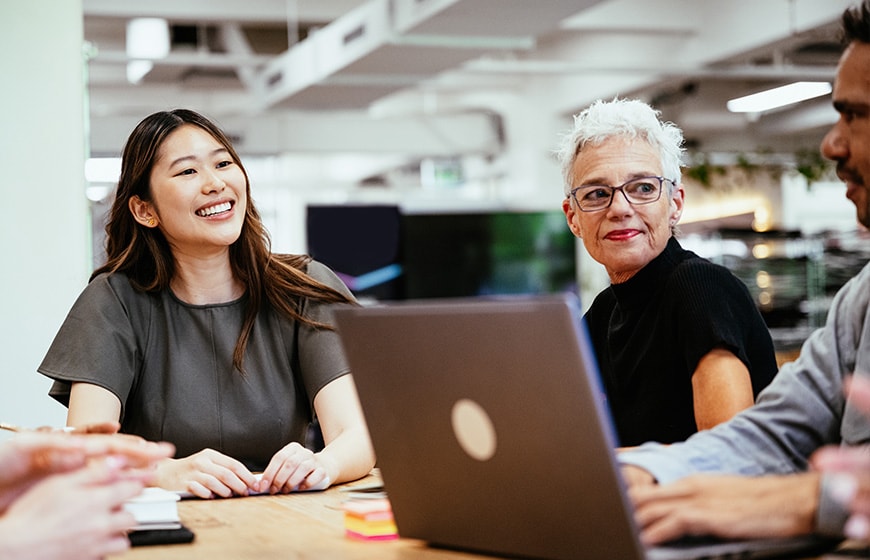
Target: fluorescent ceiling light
147	39
97	193
137	69
102	175
103	170
778	97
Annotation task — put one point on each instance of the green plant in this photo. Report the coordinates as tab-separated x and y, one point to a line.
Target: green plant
813	166
702	171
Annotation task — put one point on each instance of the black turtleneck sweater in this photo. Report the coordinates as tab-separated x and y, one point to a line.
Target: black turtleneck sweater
650	332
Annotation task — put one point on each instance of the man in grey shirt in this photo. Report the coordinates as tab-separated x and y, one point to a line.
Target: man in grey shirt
712	483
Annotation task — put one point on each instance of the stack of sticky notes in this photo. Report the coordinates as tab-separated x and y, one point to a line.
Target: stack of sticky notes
369	519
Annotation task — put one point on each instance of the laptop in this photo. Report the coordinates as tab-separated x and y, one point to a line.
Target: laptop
492	432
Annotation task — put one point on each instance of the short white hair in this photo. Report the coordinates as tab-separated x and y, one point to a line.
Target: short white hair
629	118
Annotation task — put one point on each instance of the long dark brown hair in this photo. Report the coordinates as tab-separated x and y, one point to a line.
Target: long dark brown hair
144	256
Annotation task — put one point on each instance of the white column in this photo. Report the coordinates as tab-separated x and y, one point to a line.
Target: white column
44	223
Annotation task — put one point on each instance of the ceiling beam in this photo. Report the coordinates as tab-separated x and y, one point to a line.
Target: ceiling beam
222	10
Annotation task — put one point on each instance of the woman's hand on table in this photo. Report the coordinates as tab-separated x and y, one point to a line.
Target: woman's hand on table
207	474
294	468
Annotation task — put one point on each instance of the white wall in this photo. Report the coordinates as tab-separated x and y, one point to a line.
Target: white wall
819	207
44	225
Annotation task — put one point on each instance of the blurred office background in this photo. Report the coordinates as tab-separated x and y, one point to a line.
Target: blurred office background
410	143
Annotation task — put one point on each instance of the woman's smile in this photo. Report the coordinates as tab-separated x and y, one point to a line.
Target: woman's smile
218	210
622	234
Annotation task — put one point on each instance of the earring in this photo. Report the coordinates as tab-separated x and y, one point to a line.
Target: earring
152	222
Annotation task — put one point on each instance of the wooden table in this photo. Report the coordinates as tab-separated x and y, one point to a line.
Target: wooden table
294	526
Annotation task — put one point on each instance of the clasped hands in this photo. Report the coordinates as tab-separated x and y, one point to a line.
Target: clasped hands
209	473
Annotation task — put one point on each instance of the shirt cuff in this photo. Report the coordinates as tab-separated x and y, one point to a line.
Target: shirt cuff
653	458
831	515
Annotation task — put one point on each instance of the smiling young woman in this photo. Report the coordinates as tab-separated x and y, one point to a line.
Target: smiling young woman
193	332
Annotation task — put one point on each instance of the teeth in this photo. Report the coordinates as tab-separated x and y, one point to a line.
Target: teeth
211	210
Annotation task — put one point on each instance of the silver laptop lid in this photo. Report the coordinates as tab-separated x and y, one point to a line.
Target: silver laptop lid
490	427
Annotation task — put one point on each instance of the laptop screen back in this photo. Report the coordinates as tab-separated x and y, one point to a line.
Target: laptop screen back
489	426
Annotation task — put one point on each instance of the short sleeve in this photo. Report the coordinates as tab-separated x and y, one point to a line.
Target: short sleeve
96	342
321	355
716	311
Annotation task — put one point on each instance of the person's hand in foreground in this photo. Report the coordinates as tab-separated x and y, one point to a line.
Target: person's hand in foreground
61	495
851	482
30	457
726	506
76	515
96	428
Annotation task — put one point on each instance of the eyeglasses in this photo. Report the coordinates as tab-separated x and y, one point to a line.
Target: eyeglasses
640	190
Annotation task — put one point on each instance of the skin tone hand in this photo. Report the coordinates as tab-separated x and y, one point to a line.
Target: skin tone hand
96	428
294	468
636	476
207	474
726	506
851	485
348	454
30	457
75	515
99	428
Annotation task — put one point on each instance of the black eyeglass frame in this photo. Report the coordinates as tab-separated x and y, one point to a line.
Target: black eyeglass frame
661	180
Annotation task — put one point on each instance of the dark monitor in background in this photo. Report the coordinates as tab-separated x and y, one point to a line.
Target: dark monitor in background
362	244
474	254
386	254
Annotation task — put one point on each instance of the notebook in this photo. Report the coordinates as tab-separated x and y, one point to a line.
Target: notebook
492	433
157	520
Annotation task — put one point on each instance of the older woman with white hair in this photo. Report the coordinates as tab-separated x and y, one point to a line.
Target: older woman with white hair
680	343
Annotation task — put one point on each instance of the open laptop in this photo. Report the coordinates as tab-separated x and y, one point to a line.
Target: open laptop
492	433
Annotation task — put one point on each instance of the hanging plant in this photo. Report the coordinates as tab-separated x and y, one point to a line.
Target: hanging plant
702	171
768	164
746	165
813	166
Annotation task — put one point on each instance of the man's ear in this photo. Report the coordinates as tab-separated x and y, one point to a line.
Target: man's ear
143	212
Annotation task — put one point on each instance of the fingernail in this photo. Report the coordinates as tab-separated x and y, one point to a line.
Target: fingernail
842	487
857	527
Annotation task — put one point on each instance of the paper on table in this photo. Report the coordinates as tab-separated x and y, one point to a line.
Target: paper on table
154	508
374	491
